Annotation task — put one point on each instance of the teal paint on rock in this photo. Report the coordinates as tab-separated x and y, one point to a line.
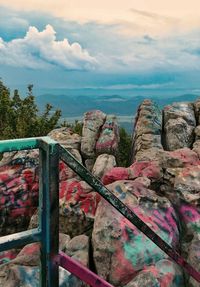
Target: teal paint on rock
140	251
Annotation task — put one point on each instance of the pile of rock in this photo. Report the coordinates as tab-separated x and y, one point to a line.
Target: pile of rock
161	186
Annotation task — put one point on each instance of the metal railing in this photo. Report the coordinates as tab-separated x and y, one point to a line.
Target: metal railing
48	230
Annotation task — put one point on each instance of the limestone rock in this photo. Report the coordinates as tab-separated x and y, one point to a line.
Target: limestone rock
178	134
179	124
182	110
163	273
197	110
18	192
194	258
89	163
103	164
187	184
151	170
78	203
92	123
109	137
24	271
120	249
66	138
77	207
147	130
78	248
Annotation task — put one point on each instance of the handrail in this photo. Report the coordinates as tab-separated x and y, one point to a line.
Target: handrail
48	231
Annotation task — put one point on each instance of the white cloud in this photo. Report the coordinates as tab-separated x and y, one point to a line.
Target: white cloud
41	50
144	54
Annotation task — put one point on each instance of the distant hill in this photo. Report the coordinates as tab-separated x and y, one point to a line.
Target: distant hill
110	104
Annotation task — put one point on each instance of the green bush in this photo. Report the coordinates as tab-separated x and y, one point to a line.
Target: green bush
19	117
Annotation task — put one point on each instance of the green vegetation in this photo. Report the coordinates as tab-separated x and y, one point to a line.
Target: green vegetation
123	156
19	118
76	127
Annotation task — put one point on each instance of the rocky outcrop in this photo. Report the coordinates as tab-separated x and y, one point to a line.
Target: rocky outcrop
18	191
92	123
147	132
161	186
120	249
179	123
78	202
109	137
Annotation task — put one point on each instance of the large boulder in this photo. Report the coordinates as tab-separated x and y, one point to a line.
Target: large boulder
164	273
66	138
109	137
149	169
92	123
120	249
18	190
147	130
78	204
103	164
179	124
189	215
77	207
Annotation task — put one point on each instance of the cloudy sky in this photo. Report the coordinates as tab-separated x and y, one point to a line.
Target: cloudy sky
107	43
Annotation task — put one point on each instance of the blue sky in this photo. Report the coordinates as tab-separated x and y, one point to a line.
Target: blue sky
77	44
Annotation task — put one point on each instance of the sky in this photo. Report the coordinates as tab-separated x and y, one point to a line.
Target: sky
100	44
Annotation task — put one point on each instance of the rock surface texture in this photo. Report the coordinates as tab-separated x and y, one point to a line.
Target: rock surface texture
161	186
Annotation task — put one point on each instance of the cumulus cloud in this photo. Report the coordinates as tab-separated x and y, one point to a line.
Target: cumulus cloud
41	50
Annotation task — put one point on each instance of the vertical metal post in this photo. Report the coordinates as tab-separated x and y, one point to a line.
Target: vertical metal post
49	214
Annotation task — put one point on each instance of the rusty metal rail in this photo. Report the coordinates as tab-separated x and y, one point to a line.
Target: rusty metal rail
48	231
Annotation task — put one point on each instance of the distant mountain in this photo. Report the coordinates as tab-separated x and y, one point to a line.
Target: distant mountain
110	104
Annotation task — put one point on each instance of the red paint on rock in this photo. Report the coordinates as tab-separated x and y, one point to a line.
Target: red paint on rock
150	169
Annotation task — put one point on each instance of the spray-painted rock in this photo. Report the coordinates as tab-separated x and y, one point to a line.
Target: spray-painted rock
19	185
164	273
66	138
78	203
120	249
190	239
24	271
103	164
77	207
147	169
7	256
147	130
179	124
178	134
109	137
179	158
78	248
18	192
92	123
194	257
187	184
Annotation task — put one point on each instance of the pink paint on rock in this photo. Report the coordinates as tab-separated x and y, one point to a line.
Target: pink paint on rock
189	213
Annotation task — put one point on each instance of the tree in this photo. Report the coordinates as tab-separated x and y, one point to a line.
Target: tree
19	118
124	149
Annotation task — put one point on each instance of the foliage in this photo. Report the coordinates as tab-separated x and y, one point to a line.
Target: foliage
76	127
124	151
19	117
